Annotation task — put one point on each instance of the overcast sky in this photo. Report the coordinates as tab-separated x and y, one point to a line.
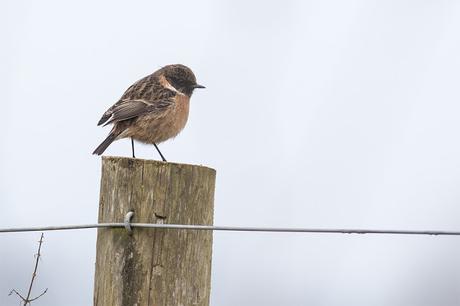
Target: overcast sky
315	114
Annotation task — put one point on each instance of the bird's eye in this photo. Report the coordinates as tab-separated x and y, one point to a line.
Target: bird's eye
176	82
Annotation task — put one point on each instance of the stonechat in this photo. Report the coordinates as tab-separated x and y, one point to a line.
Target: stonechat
153	109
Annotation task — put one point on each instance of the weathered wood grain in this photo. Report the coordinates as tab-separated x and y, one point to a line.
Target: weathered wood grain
154	267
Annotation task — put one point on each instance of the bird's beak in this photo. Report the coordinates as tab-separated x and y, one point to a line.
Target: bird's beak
198	86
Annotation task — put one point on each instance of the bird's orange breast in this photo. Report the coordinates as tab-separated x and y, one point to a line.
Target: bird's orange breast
181	111
158	127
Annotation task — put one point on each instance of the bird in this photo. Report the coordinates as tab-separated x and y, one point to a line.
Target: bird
153	109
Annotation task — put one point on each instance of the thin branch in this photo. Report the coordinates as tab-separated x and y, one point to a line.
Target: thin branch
14	291
26	300
43	293
35	269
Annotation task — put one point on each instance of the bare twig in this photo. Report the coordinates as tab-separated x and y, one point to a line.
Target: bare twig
26	300
14	291
38	296
35	270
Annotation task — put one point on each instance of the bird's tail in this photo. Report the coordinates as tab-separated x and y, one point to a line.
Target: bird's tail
106	143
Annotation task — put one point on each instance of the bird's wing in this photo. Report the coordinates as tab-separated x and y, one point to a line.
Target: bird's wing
143	96
128	109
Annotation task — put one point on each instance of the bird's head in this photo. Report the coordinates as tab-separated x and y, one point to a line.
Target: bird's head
181	78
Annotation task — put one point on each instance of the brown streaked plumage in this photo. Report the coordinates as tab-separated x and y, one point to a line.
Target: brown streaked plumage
153	109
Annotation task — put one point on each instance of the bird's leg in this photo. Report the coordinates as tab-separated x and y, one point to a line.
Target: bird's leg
162	157
132	147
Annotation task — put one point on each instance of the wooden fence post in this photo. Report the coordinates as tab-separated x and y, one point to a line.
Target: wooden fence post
154	267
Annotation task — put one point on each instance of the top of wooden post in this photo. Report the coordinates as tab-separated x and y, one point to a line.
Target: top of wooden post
152	161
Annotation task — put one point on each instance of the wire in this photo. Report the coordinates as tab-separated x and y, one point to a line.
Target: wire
230	228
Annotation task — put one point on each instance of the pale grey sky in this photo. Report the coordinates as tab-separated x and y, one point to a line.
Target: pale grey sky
316	114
